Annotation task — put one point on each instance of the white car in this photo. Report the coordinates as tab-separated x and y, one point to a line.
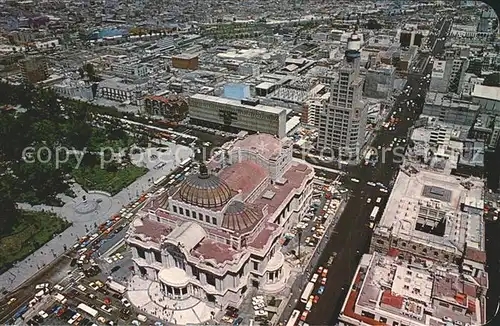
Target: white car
383	190
106	308
371	183
93	286
369	200
43	314
41	286
355	180
125	302
58	287
81	288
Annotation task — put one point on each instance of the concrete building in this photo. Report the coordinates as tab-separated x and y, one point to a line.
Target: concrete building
235	115
117	90
34	69
130	70
379	81
450	109
236	91
216	235
343	121
185	61
488	97
410	38
440	77
387	290
75	89
435	216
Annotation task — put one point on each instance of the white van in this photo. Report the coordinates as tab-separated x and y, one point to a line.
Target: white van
142	318
379	199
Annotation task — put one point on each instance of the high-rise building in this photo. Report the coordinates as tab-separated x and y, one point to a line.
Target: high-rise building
34	69
343	121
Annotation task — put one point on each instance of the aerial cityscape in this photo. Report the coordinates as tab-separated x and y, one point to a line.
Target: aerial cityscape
249	163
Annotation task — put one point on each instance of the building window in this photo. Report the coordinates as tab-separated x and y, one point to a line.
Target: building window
424	250
181	210
436	253
200	216
210	279
175	209
188	214
381	242
446	256
184	291
157	256
214	220
255	265
207	218
395	323
414	247
383	319
367	314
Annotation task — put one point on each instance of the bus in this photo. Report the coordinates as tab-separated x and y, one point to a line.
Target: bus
186	162
293	318
117	287
160	180
374	213
91	311
307	292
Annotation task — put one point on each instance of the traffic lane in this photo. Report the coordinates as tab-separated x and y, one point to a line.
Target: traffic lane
352	239
352	234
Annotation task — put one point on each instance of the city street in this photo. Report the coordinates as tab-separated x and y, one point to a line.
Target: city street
352	236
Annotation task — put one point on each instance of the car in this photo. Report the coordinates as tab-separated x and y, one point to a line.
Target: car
91	296
107	308
117	295
81	288
321	289
316	299
323	281
372	184
303	317
104	291
125	302
99	284
93	286
58	287
101	320
11	301
41	286
119	256
383	190
43	314
355	180
237	321
324	273
369	200
320	269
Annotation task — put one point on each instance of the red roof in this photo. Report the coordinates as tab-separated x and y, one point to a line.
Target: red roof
392	300
157	98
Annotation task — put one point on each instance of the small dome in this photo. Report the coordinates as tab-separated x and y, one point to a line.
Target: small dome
205	190
240	217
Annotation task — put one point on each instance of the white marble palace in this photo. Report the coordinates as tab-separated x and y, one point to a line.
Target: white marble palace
218	232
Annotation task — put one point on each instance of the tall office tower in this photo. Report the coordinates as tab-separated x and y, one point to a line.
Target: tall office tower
343	122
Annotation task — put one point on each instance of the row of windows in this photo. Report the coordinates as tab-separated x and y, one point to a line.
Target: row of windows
188	213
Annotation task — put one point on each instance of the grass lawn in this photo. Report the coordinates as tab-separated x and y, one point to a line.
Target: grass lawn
95	178
33	230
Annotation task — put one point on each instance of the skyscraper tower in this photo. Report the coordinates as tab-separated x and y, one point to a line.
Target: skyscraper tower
343	121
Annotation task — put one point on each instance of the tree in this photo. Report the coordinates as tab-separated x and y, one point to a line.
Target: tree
8	208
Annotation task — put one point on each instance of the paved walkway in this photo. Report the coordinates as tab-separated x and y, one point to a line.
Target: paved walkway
146	296
84	215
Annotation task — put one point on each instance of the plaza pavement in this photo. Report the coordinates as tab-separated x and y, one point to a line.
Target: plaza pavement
101	207
146	296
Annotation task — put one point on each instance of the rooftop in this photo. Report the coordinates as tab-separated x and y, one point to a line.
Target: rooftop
486	92
411	293
236	103
425	207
